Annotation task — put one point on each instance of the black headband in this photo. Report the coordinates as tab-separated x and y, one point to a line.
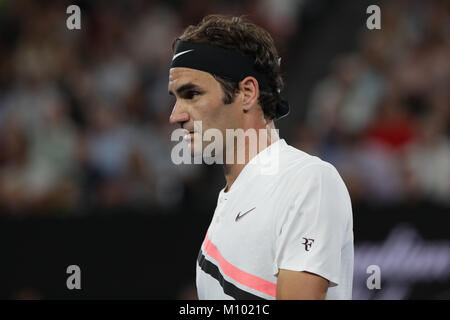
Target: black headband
222	62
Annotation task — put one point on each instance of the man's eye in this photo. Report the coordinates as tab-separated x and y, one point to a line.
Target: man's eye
191	94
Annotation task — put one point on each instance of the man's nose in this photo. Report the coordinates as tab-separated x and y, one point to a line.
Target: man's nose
178	115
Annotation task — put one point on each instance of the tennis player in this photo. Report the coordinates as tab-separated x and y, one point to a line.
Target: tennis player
275	234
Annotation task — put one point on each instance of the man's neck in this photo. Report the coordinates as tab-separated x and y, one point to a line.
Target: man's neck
232	171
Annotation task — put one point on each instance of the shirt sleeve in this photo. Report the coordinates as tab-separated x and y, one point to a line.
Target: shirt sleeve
310	232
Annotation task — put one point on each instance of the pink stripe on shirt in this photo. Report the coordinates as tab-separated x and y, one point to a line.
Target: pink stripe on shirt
237	274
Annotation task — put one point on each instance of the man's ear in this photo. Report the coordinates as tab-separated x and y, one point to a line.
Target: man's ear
250	92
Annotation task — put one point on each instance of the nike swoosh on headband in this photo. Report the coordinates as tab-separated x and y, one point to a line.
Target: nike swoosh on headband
181	53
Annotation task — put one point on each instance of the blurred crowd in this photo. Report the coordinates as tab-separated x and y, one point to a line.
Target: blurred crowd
84	113
382	114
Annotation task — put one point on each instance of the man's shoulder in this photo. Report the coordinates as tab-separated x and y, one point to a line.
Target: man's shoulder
313	177
299	169
295	161
287	166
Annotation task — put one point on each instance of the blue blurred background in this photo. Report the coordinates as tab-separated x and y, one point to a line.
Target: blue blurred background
85	170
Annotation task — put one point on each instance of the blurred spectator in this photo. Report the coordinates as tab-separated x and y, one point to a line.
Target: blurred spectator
428	162
382	114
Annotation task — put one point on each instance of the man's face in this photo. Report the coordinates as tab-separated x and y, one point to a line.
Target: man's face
199	97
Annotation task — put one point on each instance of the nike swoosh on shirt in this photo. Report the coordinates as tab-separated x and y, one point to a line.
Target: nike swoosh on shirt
181	53
241	215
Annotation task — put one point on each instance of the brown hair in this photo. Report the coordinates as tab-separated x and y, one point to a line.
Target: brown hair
237	33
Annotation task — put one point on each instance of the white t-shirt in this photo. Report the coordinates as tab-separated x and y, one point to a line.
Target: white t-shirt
286	210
